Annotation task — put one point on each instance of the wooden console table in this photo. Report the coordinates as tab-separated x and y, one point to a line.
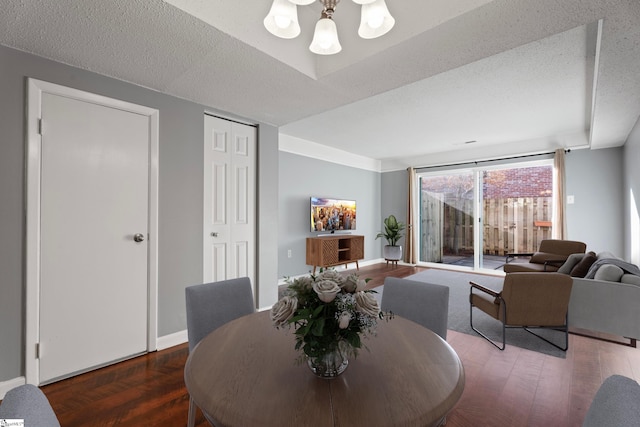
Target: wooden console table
327	251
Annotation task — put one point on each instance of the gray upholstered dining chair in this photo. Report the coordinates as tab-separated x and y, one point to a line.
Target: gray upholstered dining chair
210	306
423	303
27	402
616	403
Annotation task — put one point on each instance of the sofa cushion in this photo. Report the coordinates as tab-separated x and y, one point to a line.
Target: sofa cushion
630	279
609	272
627	267
571	262
582	267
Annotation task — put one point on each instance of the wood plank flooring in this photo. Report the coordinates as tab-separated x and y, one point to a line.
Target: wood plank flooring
514	387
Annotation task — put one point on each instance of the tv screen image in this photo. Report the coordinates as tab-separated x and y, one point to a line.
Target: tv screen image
332	214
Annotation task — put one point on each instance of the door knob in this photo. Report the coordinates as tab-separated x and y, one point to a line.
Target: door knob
138	237
214	234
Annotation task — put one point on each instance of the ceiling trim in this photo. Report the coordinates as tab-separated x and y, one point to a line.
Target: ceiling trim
302	147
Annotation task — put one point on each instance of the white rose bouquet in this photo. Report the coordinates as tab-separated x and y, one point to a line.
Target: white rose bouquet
330	312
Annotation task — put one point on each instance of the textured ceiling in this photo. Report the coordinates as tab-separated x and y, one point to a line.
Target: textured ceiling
516	76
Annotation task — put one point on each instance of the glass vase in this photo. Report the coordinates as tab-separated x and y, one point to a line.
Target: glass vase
329	365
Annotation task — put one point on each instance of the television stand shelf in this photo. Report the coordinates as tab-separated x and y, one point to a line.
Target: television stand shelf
327	251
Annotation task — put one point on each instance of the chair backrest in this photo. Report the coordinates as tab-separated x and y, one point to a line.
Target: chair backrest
562	247
540	299
27	402
211	305
423	303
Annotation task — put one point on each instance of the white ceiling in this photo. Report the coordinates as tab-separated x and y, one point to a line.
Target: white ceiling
516	76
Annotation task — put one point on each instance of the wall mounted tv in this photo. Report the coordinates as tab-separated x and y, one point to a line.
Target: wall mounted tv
332	214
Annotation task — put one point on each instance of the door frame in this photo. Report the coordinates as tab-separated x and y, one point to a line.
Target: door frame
33	160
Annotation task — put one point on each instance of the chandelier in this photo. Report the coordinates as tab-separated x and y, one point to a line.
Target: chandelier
282	21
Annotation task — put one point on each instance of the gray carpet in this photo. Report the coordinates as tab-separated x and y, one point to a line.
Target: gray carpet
458	283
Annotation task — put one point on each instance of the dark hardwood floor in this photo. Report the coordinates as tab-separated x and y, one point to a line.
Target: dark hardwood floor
514	387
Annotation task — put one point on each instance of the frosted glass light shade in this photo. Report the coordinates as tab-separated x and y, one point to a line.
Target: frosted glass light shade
282	20
302	2
375	20
363	1
325	38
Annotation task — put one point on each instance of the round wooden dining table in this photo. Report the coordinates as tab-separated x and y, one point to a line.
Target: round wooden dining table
246	374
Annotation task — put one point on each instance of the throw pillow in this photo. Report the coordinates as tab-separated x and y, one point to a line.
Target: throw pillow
630	279
541	257
581	269
570	263
609	272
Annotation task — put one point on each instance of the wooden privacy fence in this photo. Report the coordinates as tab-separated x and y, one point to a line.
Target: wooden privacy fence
516	224
510	225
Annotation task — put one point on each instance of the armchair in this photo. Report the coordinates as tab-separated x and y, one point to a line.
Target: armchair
528	301
550	256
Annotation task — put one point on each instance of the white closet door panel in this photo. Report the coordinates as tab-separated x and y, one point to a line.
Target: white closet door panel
229	194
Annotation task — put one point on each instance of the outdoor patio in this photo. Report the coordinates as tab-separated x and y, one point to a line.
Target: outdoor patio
490	262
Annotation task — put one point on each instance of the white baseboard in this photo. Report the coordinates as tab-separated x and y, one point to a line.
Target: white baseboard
5	386
171	340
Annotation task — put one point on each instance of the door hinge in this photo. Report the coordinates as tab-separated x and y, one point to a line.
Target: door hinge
37	350
40	126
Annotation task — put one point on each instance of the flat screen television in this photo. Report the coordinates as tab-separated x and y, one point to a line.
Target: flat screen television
332	214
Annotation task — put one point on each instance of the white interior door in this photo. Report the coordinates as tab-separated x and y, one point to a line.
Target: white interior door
229	200
94	270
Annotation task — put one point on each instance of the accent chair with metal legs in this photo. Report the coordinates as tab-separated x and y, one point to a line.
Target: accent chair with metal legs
528	301
210	306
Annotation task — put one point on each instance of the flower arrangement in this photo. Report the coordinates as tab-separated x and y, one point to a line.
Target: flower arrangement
329	312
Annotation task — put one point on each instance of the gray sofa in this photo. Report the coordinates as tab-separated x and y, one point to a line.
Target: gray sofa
607	299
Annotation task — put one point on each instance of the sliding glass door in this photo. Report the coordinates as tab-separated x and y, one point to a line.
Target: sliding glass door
471	218
447	218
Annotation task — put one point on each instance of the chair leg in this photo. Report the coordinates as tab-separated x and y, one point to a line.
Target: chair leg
191	419
566	333
503	308
564	328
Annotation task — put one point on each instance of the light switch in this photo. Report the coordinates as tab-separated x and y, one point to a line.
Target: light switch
570	200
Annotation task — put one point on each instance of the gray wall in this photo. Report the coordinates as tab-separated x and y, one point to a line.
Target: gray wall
595	179
180	196
632	187
302	177
395	194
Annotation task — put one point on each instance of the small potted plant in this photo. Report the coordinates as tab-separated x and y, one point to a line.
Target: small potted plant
392	233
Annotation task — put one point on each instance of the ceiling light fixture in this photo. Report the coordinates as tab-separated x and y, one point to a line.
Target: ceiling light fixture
282	21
